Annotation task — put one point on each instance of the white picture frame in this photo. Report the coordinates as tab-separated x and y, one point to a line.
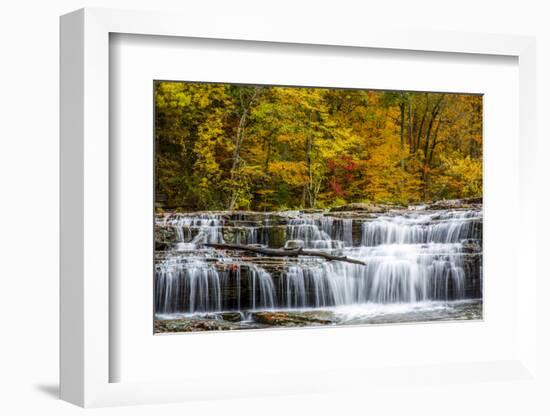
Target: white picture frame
85	217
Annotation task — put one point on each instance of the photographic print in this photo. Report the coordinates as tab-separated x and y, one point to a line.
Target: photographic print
283	206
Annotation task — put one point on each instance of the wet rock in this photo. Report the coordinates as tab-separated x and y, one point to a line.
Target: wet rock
165	237
466	203
231	316
471	246
365	207
193	325
473	282
276	235
290	319
312	210
234	235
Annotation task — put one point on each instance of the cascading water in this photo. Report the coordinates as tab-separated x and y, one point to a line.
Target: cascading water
321	232
449	227
196	286
187	285
401	273
308	231
196	229
411	257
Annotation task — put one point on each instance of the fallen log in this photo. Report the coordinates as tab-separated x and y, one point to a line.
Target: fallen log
283	252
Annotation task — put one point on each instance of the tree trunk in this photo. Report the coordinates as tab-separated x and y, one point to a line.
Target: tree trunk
236	156
402	137
284	253
308	187
421	126
239	138
433	116
410	127
434	143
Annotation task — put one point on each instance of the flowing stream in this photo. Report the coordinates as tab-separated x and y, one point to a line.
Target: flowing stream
419	263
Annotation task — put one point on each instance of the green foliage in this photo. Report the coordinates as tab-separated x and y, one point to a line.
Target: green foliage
221	146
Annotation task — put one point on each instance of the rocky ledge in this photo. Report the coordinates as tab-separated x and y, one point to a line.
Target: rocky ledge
371	208
196	324
305	318
227	321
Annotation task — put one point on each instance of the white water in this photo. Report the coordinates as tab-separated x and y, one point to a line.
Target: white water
194	285
196	229
393	274
412	259
447	227
370	312
321	231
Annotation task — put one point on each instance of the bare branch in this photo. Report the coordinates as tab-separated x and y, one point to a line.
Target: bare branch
284	253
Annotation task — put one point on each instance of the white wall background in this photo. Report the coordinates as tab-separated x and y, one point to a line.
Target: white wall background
29	208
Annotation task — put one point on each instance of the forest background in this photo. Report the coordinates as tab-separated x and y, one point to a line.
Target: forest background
266	148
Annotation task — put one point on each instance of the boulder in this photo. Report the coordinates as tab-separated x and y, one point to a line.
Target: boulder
231	316
290	319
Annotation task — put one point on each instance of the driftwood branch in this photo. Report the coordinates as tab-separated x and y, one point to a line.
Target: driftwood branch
284	253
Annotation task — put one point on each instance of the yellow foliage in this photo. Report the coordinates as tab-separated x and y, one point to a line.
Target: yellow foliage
220	145
292	173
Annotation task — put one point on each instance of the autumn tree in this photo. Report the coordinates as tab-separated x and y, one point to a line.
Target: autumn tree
223	146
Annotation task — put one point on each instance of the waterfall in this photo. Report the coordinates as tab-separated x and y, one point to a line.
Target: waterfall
411	256
196	286
339	229
194	229
191	286
321	231
450	227
401	273
262	288
308	230
247	235
328	284
413	273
